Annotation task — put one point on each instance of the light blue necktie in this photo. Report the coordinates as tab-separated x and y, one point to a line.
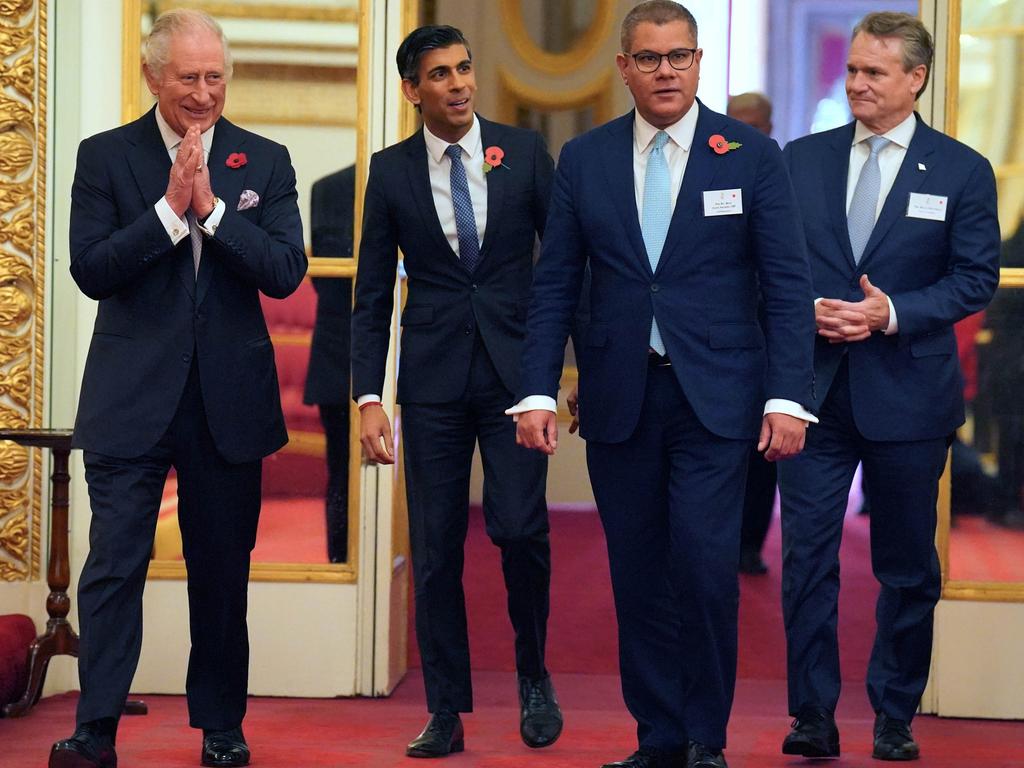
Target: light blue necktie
861	218
657	215
465	221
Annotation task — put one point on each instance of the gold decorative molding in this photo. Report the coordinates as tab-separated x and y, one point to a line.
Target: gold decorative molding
22	277
532	54
515	93
273	11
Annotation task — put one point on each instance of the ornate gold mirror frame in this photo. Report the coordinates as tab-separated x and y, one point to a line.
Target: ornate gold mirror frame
956	589
546	61
131	89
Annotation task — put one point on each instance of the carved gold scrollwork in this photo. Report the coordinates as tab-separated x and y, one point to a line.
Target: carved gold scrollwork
14	536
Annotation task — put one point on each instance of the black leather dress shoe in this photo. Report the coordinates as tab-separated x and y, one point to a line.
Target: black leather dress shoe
813	734
224	748
540	718
91	746
893	740
699	756
648	759
442	736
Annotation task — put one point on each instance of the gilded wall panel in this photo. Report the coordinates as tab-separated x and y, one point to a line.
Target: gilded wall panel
22	255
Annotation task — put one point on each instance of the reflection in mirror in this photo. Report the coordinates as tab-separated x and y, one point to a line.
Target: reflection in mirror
986	541
557	27
295	82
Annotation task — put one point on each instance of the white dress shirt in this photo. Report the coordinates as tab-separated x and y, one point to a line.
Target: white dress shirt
177	229
889	161
677	152
439	166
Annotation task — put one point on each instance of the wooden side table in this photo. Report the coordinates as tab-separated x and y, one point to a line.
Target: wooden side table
59	638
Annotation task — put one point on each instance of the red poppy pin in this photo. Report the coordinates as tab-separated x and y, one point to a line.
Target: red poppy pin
721	145
493	157
236	160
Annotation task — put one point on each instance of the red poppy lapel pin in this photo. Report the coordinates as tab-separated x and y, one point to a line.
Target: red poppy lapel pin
721	145
493	157
236	160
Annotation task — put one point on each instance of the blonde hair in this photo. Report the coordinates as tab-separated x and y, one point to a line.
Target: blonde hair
177	21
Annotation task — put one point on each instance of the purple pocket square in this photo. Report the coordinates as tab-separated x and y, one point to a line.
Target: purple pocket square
248	199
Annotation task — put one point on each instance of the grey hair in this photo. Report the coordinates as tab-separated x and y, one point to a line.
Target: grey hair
918	48
657	12
177	21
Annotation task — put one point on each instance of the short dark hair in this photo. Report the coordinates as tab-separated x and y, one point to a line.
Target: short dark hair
424	39
918	48
658	12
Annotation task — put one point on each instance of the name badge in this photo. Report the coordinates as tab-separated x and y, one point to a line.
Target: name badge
931	207
723	202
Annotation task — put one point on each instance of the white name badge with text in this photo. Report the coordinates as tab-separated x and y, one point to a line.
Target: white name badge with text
723	202
931	207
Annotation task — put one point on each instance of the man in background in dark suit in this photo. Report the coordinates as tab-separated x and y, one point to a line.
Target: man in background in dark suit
179	221
332	210
887	196
464	199
681	213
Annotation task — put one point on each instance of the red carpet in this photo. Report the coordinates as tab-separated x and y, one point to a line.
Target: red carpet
982	551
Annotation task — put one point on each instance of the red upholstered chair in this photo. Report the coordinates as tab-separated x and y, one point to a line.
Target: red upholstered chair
16	635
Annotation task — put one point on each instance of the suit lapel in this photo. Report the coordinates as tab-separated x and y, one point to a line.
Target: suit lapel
835	171
226	183
908	179
419	183
496	181
618	166
701	167
150	166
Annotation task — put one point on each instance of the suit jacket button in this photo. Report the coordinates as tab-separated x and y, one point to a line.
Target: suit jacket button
654	288
186	358
469	328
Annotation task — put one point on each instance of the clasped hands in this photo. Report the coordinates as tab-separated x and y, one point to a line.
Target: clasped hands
846	321
189	183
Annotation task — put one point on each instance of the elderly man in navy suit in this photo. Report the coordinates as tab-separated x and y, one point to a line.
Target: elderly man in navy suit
464	199
889	197
179	221
681	213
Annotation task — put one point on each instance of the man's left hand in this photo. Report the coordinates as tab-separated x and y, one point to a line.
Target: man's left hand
203	200
874	307
782	436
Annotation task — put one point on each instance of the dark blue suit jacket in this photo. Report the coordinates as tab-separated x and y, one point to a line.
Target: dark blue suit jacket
906	386
704	292
446	307
154	313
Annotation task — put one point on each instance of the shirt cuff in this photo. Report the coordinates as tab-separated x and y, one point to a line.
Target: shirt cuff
209	227
790	408
532	403
364	399
177	229
894	325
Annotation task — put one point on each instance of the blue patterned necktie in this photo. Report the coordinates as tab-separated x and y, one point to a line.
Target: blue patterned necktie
465	222
657	215
861	218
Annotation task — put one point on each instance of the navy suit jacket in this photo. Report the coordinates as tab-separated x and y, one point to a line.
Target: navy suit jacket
154	313
907	386
704	292
446	306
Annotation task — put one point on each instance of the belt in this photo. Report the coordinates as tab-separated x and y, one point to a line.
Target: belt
654	360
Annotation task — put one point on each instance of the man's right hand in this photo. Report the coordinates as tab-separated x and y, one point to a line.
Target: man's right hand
840	324
538	430
183	171
375	434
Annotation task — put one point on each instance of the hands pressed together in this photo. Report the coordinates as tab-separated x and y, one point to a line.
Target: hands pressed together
846	321
189	183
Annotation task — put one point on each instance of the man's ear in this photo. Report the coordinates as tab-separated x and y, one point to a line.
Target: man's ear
152	81
409	90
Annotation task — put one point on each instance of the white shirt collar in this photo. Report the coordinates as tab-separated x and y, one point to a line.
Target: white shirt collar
901	134
470	143
681	132
172	139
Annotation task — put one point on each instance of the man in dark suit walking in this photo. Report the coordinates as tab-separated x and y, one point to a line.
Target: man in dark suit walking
681	213
464	199
889	196
179	221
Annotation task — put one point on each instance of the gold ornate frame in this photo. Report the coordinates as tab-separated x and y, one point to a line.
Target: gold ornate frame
956	589
23	48
556	63
131	84
514	93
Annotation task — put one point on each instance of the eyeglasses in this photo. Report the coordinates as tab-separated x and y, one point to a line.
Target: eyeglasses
680	59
